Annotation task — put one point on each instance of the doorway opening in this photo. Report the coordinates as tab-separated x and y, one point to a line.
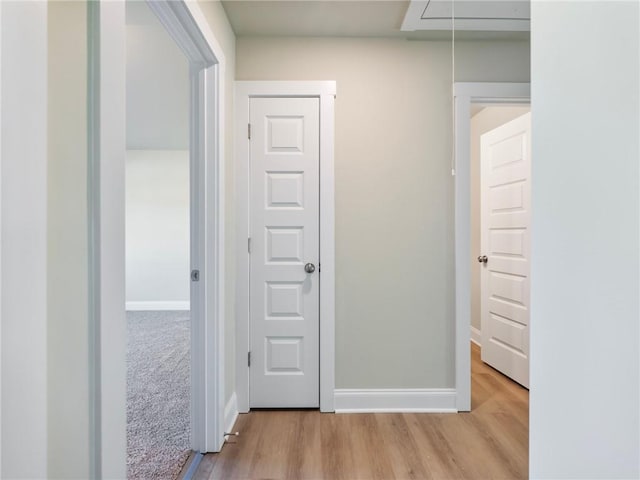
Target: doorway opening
465	95
157	248
500	248
187	26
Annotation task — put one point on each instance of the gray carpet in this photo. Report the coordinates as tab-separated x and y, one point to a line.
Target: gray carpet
158	409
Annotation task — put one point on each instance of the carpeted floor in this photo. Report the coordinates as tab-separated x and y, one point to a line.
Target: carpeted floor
158	409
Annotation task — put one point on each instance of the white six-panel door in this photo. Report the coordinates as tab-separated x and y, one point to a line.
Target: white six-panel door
284	230
505	240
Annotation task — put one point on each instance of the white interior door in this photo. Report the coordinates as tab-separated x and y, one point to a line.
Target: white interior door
506	216
284	249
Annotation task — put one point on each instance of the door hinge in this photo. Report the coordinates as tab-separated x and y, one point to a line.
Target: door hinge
195	275
319	267
249	244
249	131
249	359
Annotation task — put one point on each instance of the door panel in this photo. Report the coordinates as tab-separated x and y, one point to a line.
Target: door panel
506	214
284	229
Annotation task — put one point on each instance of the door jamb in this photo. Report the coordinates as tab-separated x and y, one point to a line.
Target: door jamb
187	25
325	91
464	94
0	238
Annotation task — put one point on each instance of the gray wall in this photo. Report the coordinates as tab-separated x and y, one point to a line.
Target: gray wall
23	241
489	118
67	252
585	335
394	192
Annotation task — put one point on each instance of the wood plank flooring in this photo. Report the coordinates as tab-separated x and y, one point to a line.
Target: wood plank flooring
490	442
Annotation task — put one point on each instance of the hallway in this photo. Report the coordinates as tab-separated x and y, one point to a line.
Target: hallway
489	442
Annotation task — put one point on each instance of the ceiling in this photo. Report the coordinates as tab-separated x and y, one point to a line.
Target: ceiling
336	18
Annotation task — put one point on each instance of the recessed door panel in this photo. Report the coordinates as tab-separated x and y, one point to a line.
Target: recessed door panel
285	190
284	356
285	245
285	133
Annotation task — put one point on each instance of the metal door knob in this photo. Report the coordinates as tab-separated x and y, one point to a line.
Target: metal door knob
483	259
309	268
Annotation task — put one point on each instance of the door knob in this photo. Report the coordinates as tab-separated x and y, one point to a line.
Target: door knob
309	268
483	259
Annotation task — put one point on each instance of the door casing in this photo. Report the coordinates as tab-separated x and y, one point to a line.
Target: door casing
326	92
464	94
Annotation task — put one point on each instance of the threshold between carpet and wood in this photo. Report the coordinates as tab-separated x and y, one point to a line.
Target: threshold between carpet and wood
490	442
158	388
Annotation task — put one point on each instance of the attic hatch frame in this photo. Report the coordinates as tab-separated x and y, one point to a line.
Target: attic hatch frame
186	24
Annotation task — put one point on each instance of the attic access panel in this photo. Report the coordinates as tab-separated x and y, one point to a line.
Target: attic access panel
472	15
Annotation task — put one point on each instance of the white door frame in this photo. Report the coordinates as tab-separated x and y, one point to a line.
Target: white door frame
464	95
325	91
186	23
0	239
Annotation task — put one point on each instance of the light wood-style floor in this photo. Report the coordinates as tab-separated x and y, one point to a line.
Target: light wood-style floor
490	442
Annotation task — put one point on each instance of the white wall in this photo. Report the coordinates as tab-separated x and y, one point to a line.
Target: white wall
157	84
487	119
23	240
157	229
585	335
157	165
394	192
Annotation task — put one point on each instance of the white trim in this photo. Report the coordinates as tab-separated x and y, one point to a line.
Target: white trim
107	252
387	400
476	336
464	95
325	91
157	306
0	239
231	413
327	250
213	220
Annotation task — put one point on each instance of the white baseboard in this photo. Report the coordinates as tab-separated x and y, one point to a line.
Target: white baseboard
156	306
476	336
231	413
428	400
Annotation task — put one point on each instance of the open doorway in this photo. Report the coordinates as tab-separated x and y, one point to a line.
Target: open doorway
466	95
486	118
500	226
500	230
157	232
187	26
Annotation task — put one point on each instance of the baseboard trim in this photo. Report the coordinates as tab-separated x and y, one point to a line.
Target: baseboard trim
423	400
231	413
476	336
156	306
